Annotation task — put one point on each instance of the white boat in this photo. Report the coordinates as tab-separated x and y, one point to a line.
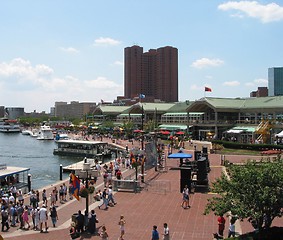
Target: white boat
9	126
26	132
32	133
45	133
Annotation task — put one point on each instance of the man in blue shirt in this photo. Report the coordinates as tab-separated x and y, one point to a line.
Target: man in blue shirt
155	234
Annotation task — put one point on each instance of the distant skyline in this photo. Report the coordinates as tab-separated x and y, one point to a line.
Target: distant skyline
74	51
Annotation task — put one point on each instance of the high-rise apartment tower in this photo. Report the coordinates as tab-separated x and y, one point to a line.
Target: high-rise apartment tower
153	73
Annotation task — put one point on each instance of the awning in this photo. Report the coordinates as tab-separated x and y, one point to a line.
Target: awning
241	129
236	131
173	127
9	170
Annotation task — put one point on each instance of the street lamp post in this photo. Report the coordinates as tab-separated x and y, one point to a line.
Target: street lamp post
86	169
142	148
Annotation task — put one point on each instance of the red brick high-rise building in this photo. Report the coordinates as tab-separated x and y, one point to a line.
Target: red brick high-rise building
153	73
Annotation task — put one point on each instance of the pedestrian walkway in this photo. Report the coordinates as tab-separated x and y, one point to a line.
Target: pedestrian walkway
158	203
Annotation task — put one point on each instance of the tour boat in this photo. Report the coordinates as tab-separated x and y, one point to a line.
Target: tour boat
80	148
9	126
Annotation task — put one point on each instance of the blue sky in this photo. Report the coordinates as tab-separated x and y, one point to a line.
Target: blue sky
74	50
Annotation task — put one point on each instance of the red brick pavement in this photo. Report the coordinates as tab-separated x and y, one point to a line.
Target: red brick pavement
159	202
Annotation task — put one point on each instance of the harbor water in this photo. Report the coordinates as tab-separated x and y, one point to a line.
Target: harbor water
26	151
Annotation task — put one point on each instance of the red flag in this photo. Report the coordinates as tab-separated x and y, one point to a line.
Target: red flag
207	89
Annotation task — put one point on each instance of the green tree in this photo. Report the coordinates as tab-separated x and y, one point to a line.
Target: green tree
149	126
252	191
128	127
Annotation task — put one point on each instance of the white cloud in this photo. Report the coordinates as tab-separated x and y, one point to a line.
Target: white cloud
22	69
101	83
231	84
37	86
69	50
206	62
249	84
266	13
260	81
118	63
196	87
106	42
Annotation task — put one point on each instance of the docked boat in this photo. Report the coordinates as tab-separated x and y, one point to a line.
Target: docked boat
80	148
45	133
9	126
26	132
32	133
61	136
17	176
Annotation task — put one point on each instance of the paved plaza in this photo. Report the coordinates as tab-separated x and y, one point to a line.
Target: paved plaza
159	202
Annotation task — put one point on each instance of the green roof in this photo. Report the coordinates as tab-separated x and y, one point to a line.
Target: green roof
180	107
149	107
225	102
236	103
263	102
110	109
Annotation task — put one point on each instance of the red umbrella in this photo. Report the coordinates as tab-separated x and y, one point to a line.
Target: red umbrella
137	131
180	133
165	132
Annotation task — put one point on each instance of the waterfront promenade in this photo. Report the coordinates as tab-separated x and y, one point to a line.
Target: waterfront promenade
159	202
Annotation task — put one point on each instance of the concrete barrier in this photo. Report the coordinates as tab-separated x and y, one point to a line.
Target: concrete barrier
122	185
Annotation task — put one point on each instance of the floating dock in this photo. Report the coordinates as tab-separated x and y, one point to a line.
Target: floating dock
79	165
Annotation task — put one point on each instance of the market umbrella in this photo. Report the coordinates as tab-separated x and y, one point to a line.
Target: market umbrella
137	131
165	132
181	155
180	133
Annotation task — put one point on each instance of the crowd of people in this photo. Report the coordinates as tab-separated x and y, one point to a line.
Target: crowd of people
38	210
17	211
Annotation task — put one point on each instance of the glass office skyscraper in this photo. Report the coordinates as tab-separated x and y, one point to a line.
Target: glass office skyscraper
275	81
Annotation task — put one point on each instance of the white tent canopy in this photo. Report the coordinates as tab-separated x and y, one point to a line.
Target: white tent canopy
279	134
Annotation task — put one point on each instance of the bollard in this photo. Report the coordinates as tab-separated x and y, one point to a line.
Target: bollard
61	172
29	182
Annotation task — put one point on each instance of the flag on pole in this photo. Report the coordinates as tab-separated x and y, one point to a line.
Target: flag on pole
207	89
75	186
141	96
